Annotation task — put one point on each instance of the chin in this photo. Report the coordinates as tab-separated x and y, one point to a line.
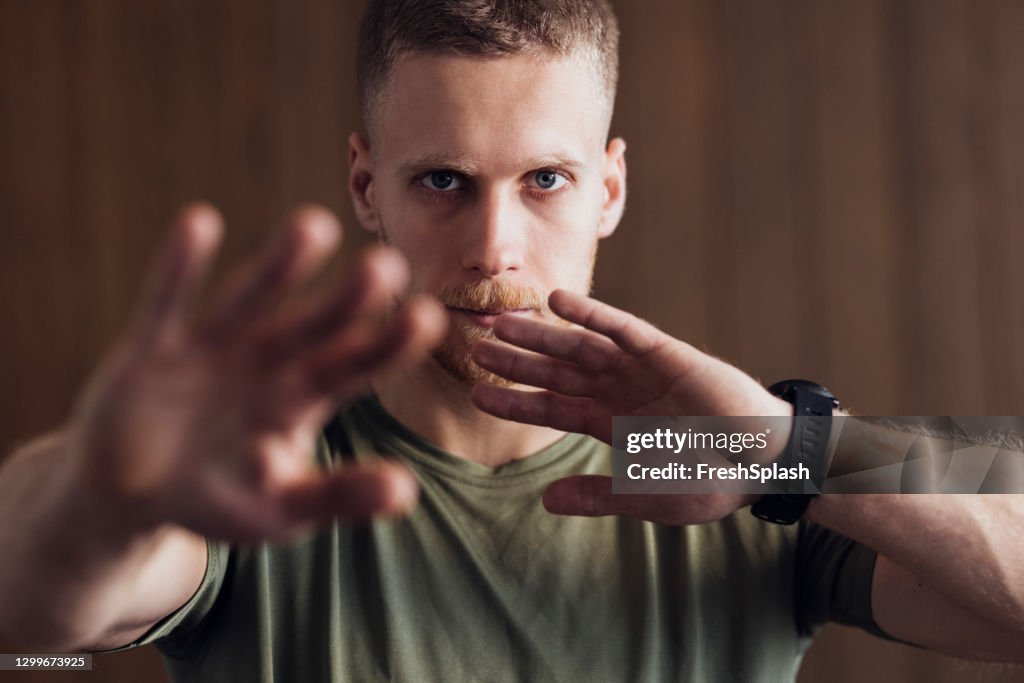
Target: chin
453	357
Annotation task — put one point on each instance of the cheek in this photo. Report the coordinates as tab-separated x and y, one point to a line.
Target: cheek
562	238
410	218
399	217
564	258
570	224
409	229
578	212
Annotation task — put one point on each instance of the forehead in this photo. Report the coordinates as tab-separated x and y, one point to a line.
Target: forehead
490	108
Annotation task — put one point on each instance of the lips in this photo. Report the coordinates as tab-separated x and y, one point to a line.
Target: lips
498	311
485	318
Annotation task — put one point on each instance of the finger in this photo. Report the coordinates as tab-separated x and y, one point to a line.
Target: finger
311	235
354	492
632	334
533	369
369	290
347	363
566	413
183	262
591	495
588	349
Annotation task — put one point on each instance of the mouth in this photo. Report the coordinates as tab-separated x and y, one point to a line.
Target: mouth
486	318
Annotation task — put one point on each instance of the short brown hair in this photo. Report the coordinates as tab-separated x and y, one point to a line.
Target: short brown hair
391	28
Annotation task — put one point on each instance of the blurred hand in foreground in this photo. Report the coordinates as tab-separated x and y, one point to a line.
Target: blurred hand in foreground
209	421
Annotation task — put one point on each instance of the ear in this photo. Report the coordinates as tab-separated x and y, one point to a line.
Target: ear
360	182
614	187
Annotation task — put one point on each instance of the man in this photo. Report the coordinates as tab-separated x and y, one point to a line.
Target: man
486	165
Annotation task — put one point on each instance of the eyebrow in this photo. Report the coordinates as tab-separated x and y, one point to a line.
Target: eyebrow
436	160
466	165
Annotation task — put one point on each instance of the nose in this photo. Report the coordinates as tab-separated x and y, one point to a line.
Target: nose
497	230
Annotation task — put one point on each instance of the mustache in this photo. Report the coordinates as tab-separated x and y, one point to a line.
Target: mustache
493	296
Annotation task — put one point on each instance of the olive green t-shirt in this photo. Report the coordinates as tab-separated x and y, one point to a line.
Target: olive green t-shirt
480	583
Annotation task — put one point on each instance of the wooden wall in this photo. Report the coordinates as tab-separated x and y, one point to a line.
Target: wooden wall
827	189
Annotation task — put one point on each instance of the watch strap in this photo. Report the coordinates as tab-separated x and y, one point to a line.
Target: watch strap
813	406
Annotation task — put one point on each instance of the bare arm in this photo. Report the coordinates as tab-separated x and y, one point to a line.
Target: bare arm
950	573
201	428
950	569
79	572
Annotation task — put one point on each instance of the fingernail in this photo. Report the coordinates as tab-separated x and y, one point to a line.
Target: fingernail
404	489
322	233
203	224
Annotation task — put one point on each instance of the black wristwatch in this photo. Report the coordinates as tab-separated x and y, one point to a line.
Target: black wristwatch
813	405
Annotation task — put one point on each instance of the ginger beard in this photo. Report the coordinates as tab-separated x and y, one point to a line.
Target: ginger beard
453	354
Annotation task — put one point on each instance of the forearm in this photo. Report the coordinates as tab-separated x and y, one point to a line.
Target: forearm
962	546
75	567
913	455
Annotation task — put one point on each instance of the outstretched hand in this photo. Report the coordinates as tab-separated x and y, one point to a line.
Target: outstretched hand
209	421
610	363
607	363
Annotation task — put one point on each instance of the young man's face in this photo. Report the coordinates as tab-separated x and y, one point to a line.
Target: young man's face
492	177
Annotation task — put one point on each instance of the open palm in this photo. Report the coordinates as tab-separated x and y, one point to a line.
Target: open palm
210	421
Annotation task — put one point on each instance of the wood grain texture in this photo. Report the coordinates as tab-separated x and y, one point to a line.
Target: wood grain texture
830	189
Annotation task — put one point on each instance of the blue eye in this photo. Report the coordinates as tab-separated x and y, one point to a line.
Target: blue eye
549	180
441	181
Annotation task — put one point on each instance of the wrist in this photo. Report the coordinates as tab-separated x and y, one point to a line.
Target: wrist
96	512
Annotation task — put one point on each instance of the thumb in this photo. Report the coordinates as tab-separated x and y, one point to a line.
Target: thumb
356	492
590	495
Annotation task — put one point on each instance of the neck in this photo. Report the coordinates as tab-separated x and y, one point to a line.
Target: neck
437	406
